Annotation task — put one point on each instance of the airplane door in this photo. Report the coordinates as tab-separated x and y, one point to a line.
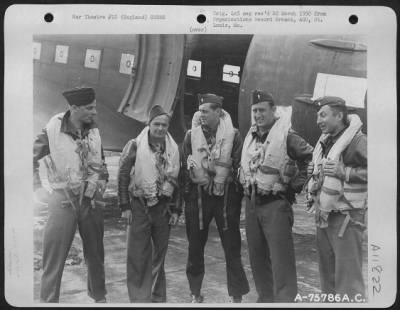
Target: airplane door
214	65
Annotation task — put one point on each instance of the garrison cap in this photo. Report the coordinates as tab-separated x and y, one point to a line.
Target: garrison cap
329	100
155	111
210	98
262	96
79	96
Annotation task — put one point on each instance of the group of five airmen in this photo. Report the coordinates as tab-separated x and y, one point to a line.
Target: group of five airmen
212	174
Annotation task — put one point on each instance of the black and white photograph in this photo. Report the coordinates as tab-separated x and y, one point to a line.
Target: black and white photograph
229	160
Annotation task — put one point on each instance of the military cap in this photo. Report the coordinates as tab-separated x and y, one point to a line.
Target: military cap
210	98
329	100
157	111
79	96
262	96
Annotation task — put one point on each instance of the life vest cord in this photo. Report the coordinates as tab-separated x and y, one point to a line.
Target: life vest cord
200	206
145	208
70	201
253	196
227	184
349	220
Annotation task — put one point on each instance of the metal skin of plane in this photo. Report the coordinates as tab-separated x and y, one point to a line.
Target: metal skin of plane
132	73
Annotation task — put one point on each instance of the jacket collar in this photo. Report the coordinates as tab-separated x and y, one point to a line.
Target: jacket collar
257	135
68	128
330	140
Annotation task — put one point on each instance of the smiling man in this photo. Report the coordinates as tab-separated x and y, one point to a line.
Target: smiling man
70	146
338	192
273	168
147	181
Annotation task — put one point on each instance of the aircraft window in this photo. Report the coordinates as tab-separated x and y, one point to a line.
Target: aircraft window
126	65
37	47
61	54
351	89
194	68
231	74
92	59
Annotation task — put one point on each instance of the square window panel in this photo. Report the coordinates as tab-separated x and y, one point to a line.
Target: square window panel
92	59
231	74
194	68
61	54
127	62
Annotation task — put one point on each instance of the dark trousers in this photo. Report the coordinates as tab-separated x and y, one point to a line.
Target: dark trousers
271	250
58	236
340	259
230	238
147	247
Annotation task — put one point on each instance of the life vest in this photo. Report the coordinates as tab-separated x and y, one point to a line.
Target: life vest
268	164
213	164
149	178
329	193
67	166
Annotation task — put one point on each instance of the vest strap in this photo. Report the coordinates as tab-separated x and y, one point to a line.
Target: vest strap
226	205
222	164
268	170
71	201
330	191
253	196
344	225
349	220
200	206
354	190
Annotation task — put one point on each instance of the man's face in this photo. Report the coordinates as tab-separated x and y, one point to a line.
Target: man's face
209	116
87	113
329	120
159	126
263	114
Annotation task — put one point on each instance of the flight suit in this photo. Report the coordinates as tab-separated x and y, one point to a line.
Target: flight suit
269	230
213	207
148	236
340	258
63	219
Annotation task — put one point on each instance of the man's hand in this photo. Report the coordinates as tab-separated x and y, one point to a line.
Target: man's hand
42	195
173	220
334	169
127	214
102	184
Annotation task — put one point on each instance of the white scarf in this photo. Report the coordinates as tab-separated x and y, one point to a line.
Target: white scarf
68	164
332	188
217	159
146	180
